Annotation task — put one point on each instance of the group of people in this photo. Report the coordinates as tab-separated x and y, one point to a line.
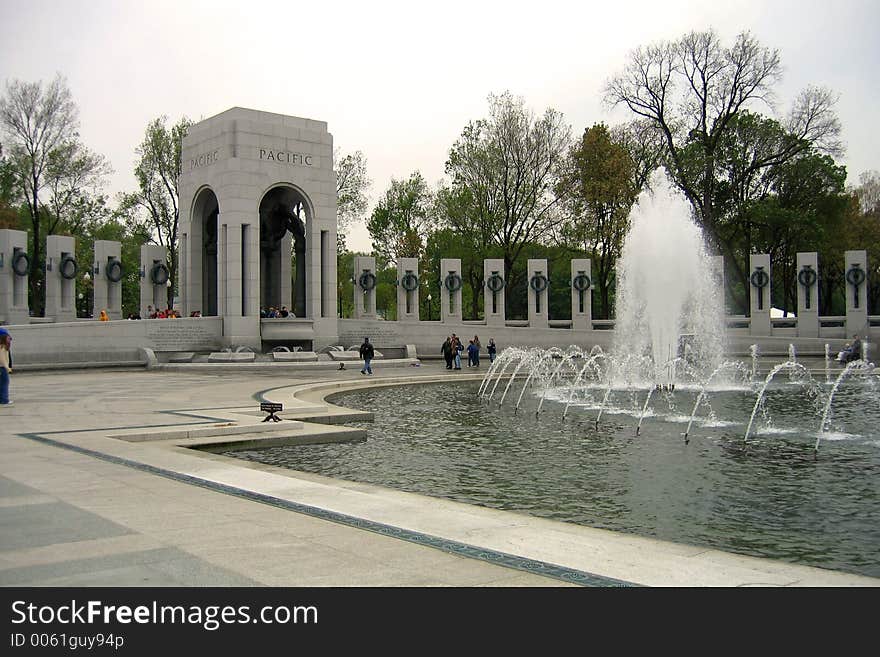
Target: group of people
152	313
273	313
453	347
158	313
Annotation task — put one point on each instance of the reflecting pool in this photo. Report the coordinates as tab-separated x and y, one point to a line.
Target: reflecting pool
770	496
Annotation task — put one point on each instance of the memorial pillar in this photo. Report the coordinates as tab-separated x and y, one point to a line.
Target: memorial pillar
581	294
108	273
364	287
807	295
539	293
407	289
759	302
154	278
450	290
61	271
856	267
494	288
14	276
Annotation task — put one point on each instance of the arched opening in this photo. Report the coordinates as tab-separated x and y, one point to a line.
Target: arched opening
283	217
205	215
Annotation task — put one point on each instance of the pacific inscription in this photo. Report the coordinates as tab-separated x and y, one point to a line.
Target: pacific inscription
288	157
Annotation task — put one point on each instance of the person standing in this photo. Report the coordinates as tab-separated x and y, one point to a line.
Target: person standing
472	354
5	366
446	350
477	350
367	352
456	351
491	348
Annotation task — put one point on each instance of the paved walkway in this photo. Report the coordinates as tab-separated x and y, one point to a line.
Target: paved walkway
98	487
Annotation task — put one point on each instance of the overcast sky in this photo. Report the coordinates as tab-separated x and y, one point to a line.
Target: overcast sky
399	80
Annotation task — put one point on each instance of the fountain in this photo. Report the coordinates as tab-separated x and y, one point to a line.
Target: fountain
668	336
666	306
746	486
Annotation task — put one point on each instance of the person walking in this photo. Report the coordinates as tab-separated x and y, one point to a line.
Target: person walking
5	366
446	350
367	352
491	348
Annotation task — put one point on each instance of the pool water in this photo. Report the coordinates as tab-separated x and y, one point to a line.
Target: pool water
773	496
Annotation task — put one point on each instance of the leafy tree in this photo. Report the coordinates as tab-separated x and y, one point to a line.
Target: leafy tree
9	217
505	170
692	90
601	188
804	209
352	184
777	209
45	159
401	219
156	203
74	178
456	237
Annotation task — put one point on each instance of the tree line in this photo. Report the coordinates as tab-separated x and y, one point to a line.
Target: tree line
518	184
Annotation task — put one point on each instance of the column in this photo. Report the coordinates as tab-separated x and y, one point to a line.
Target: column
808	295
539	293
364	287
450	290
581	294
154	277
286	294
407	289
494	287
14	276
855	266
61	271
108	272
759	303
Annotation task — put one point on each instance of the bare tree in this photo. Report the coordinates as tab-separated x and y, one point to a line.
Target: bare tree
36	122
74	179
352	184
691	91
868	192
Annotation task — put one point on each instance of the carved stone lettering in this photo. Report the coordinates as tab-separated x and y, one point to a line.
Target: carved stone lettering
182	335
204	159
288	157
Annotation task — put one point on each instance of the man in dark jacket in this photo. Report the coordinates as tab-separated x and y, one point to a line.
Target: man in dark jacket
446	350
367	354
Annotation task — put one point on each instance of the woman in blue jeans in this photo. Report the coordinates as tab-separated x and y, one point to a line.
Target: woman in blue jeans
5	366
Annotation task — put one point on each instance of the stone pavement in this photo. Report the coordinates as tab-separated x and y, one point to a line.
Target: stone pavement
98	486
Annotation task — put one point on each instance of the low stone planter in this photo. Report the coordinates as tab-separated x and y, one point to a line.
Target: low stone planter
294	356
227	357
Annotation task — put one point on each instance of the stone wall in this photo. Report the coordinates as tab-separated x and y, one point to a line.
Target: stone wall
121	340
